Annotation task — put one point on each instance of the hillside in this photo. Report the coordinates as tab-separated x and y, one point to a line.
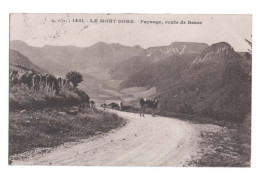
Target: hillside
216	83
161	74
152	55
18	60
60	59
41	119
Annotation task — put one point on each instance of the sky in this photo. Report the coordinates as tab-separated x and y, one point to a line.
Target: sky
60	29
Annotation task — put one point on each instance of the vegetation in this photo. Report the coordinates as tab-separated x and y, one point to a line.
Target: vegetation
229	147
41	119
52	127
75	78
248	54
21	98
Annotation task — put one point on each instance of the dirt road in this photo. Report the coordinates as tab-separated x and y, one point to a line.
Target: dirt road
143	141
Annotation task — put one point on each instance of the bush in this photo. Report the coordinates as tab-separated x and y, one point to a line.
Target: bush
75	78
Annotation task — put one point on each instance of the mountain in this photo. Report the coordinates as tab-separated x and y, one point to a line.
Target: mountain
152	55
19	60
218	50
60	59
215	83
160	74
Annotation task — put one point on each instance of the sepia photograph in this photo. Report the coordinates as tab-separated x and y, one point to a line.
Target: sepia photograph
132	90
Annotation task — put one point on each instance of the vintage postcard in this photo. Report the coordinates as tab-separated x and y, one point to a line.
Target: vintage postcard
130	90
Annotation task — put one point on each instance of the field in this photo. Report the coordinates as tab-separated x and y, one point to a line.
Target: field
52	127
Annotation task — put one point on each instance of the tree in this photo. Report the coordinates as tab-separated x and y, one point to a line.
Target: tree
75	78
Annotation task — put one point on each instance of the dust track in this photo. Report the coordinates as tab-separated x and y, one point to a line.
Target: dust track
143	141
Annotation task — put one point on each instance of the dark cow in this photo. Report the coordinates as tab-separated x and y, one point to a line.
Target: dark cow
92	104
36	80
64	82
43	80
25	78
56	88
13	76
52	84
144	103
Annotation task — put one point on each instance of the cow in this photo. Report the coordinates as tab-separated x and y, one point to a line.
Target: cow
92	104
49	84
52	84
59	79
25	78
144	103
13	80
13	76
56	88
43	80
120	105
64	82
36	80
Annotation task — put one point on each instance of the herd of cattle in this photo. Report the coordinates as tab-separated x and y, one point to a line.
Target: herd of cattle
35	80
144	103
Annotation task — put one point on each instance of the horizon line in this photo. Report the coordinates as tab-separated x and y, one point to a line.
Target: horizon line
114	44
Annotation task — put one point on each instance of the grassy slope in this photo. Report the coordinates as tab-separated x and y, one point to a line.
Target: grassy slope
229	147
40	119
22	98
49	128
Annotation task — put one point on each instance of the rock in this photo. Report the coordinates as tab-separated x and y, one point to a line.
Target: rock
98	132
222	142
72	112
203	133
74	108
226	139
231	148
62	113
23	111
219	148
27	121
211	134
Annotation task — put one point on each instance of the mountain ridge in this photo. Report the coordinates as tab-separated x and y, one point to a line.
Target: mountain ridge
66	58
219	87
152	55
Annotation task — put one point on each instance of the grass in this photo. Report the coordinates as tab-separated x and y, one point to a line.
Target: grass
22	98
228	147
49	128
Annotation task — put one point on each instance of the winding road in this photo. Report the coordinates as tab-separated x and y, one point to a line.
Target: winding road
143	141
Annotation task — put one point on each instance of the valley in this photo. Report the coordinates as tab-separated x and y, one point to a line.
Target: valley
181	75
